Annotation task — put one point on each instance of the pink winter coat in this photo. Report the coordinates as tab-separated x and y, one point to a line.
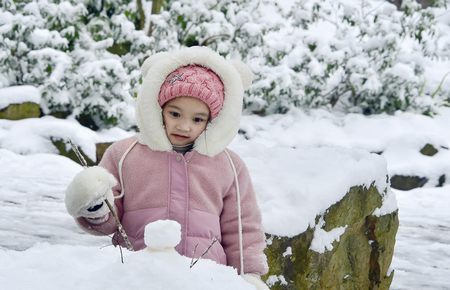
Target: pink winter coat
195	190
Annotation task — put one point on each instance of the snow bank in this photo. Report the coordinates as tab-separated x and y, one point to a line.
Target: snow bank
58	267
31	136
18	95
32	202
75	267
399	137
295	185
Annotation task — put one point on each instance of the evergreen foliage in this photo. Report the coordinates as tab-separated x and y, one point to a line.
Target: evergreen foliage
83	55
352	56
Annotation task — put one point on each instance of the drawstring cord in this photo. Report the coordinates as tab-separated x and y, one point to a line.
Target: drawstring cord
238	196
122	192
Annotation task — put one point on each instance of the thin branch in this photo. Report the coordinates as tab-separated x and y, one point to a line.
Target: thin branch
78	154
440	85
121	254
204	253
213	38
112	238
193	253
119	226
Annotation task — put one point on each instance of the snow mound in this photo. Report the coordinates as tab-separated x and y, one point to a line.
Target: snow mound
55	267
294	185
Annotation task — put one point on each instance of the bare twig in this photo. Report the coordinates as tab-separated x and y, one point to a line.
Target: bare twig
204	253
193	253
114	238
440	85
78	153
121	254
120	227
213	38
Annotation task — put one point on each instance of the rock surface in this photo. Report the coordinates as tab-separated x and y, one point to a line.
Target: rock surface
403	182
20	111
359	260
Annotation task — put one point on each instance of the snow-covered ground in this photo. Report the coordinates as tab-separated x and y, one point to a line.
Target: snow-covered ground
40	245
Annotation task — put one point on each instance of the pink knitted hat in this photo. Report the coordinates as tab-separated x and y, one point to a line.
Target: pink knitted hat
194	81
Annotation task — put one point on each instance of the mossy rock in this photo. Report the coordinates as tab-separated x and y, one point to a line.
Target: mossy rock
100	149
428	150
65	149
21	111
403	182
359	260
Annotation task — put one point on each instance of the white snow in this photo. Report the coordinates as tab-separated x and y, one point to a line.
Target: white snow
287	155
288	252
422	250
294	185
18	95
274	279
323	240
399	137
55	267
301	162
34	135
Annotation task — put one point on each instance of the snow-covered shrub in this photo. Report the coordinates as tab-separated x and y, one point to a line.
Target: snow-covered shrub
348	55
354	56
83	55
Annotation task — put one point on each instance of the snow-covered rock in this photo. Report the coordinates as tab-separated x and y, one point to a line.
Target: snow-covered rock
336	210
19	102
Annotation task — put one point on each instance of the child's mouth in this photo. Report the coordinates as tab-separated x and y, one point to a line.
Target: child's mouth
181	137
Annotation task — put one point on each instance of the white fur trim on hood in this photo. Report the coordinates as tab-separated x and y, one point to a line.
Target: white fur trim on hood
235	76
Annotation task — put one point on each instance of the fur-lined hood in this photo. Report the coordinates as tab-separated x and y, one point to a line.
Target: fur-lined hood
235	76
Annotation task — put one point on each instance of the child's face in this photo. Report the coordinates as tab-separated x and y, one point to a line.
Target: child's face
185	118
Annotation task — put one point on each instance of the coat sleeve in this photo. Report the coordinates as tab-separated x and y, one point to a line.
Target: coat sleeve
110	161
252	232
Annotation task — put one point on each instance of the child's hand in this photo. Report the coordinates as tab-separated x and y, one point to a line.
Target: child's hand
86	193
256	281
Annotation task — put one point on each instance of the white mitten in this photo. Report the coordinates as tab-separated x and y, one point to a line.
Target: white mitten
86	193
256	281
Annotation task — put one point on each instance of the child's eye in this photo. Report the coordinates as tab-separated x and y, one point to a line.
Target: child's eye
199	120
174	114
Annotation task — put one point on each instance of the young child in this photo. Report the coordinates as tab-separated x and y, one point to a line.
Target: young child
178	167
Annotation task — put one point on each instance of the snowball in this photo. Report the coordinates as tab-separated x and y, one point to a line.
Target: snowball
162	234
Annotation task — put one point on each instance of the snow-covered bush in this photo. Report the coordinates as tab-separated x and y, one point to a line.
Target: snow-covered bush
355	56
83	55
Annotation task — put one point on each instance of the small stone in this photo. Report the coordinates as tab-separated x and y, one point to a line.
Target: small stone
441	181
428	150
402	182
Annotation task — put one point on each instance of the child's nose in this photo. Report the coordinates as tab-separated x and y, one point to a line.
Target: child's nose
184	126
